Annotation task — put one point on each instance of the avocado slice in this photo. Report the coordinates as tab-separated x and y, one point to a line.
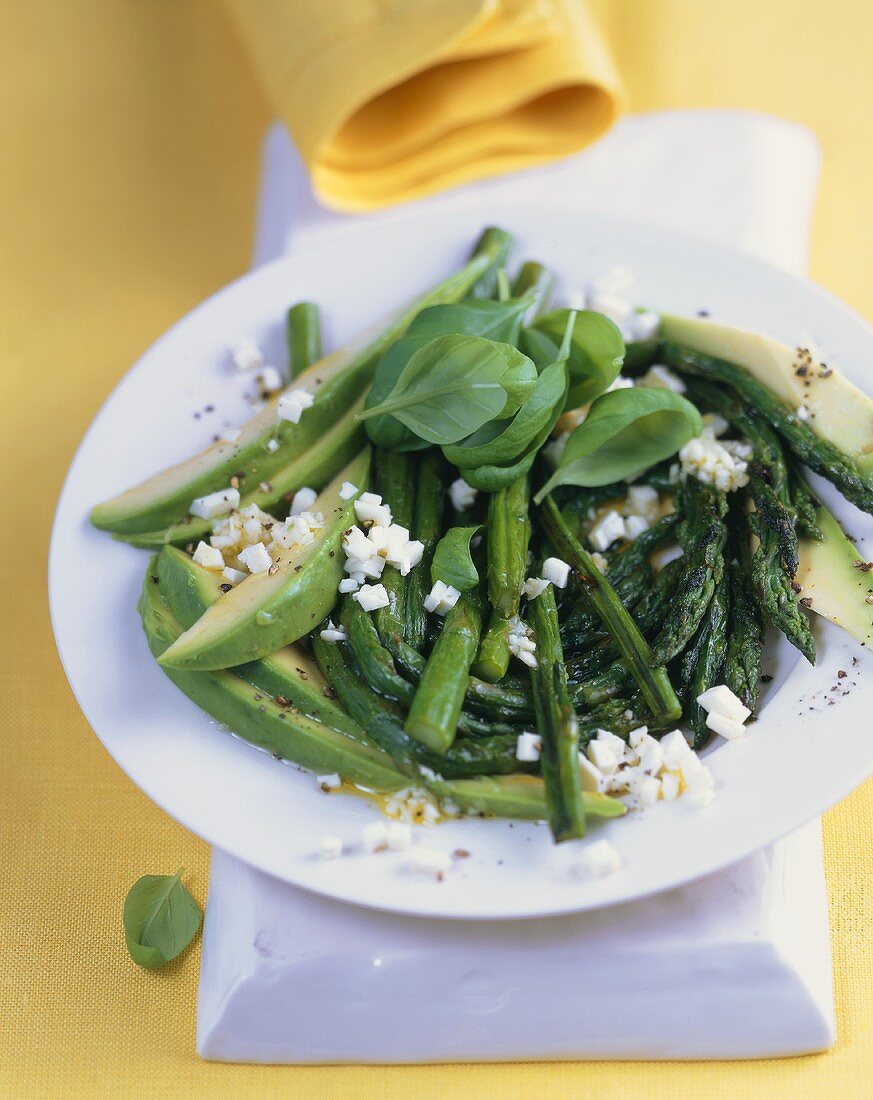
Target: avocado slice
335	382
258	718
290	673
272	609
839	412
519	796
837	579
315	467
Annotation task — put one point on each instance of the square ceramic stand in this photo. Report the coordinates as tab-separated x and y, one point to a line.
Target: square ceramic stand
736	965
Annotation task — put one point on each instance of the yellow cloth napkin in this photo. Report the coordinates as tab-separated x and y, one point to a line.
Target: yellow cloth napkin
389	100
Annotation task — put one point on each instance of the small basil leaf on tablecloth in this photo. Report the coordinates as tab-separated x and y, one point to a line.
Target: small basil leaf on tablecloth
160	919
452	561
625	433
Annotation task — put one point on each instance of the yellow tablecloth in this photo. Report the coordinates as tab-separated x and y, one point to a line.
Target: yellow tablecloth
130	135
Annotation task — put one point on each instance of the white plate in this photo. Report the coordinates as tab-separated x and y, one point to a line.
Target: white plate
798	759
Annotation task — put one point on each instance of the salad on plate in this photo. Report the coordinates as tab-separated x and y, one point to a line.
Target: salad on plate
507	557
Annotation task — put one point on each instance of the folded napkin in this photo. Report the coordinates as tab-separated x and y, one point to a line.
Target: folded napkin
389	100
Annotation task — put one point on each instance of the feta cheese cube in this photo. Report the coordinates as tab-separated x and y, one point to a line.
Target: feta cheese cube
533	587
442	598
724	726
660	377
556	571
208	556
349	584
669	786
590	777
372	596
602	756
676	750
246	355
528	747
233	575
330	782
370	509
356	544
303	499
292	405
638	737
272	446
216	504
255	558
330	847
429	861
347	490
721	700
462	495
802	412
634	526
645	791
643	500
332	633
596	859
412	556
375	836
600	562
607	529
269	379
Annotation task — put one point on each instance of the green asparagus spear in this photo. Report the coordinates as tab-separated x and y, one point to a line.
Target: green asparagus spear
819	454
395	476
426	528
303	336
433	714
508	537
703	661
556	721
805	504
702	535
648	673
742	666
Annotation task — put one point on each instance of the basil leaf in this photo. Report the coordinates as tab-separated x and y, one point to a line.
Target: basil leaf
625	433
596	351
491	320
160	919
450	387
385	430
452	561
502	442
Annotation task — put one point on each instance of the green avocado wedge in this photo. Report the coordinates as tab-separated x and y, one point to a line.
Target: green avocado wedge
270	610
518	796
836	579
290	673
335	383
314	468
258	718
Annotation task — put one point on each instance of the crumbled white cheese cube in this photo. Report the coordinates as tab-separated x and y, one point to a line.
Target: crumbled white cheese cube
660	377
596	859
724	726
528	747
429	861
272	445
643	500
303	500
634	526
645	790
802	412
255	558
441	598
208	556
607	529
676	750
347	490
216	504
330	847
332	633
600	561
375	836
233	575
370	509
269	379
714	424
398	836
372	596
602	756
533	587
412	555
330	782
349	584
721	700
292	405
669	786
246	355
356	544
462	495
637	737
644	324
710	461
556	571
